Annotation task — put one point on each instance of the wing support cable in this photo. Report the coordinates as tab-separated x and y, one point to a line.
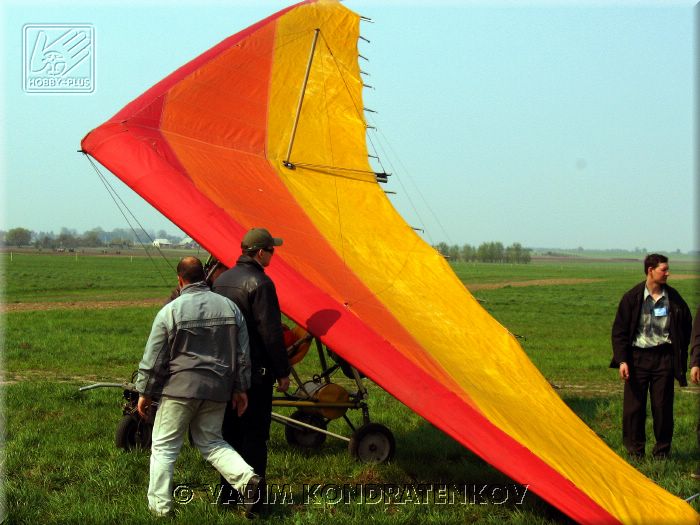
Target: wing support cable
121	206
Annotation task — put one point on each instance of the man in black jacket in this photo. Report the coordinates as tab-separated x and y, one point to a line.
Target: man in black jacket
247	285
695	369
650	339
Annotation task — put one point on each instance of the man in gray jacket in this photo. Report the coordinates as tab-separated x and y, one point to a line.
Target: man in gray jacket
197	359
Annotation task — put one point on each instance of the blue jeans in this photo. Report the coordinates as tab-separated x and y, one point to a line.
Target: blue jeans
204	418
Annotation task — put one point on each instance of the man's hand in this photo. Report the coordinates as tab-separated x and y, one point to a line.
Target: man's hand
624	371
239	401
695	374
283	384
143	406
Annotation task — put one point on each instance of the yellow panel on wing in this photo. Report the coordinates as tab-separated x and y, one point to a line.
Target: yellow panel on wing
333	183
332	103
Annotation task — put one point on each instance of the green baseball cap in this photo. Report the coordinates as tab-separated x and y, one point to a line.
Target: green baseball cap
259	238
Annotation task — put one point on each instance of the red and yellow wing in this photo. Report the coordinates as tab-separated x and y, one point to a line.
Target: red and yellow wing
206	146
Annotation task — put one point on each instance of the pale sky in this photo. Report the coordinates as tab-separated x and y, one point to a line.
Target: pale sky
553	124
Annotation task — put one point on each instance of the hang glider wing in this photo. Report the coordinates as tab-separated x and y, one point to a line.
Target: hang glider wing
211	147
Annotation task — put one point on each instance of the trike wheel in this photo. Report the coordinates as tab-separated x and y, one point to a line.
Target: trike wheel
133	432
372	443
305	437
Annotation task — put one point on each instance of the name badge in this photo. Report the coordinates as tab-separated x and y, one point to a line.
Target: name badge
662	311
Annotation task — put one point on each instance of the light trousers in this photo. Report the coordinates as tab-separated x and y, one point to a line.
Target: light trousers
204	418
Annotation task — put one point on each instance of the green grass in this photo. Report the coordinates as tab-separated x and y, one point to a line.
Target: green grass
105	344
61	464
565	329
69	276
479	273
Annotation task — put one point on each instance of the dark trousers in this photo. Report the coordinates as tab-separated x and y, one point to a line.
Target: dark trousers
651	370
249	434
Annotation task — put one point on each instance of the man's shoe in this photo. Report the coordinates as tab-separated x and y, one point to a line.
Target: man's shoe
158	514
228	498
696	474
251	495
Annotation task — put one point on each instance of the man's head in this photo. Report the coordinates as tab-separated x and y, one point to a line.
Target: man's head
190	270
259	244
656	268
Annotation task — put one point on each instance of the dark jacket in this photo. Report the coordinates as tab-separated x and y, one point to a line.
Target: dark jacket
627	319
254	293
695	341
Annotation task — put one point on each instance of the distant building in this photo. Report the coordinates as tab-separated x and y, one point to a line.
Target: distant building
187	242
162	243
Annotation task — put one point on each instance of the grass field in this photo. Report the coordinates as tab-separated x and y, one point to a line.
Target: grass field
72	320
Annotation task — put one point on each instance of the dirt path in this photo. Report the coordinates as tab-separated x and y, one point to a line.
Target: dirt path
533	282
79	305
682	277
55	377
608	388
103	305
52	375
557	282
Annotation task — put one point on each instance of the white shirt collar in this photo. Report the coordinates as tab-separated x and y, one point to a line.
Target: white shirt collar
647	293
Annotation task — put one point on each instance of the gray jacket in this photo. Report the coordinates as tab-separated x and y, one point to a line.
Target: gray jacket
198	348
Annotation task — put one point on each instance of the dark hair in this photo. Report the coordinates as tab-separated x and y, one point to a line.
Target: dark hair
190	269
653	260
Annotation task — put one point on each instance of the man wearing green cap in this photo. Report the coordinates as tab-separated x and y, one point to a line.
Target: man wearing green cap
247	285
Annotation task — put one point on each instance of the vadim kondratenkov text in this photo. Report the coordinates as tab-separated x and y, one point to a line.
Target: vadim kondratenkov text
368	493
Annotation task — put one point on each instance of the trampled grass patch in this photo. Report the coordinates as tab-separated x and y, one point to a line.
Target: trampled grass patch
62	465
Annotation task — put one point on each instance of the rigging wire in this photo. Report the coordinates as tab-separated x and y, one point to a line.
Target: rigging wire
359	109
121	207
330	144
384	140
324	168
379	146
381	135
403	187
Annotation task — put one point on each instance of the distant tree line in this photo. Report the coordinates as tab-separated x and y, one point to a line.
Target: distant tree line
70	238
493	252
123	238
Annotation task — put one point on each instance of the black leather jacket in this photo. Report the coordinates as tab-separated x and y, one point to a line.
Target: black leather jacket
625	327
695	341
254	293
